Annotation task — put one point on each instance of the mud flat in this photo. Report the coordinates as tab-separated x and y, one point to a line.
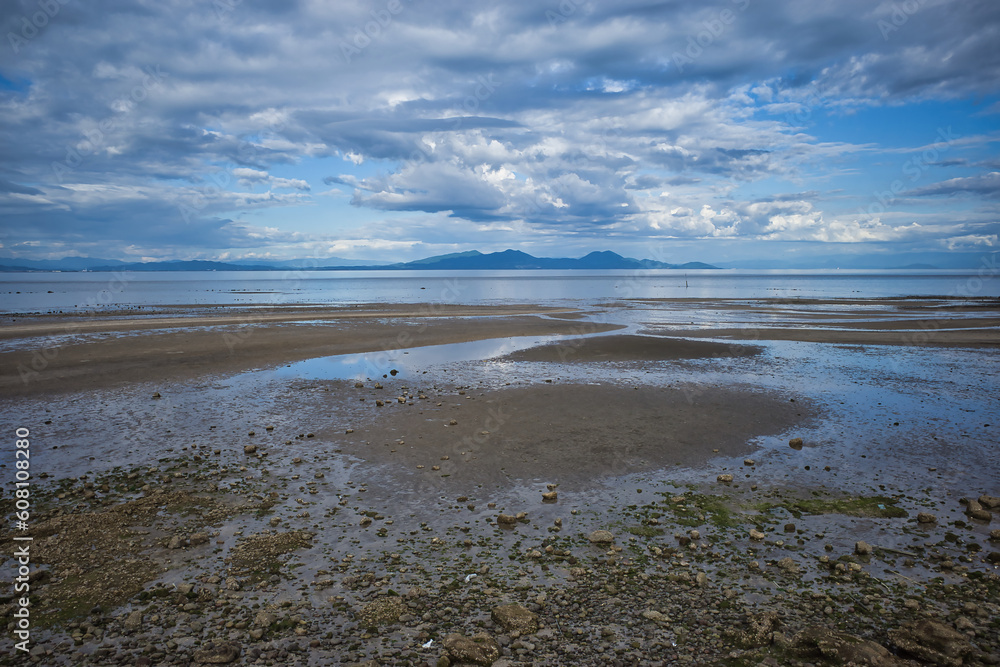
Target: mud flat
638	501
71	353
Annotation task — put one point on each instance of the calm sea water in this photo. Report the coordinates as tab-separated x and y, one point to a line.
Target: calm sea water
53	292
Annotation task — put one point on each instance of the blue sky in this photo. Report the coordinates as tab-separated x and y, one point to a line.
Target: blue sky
718	131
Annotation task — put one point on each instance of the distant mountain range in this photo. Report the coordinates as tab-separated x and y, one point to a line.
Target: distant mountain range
472	260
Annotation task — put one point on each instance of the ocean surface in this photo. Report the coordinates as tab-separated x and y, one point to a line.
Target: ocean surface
68	292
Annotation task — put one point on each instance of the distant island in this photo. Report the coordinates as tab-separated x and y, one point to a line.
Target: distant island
472	260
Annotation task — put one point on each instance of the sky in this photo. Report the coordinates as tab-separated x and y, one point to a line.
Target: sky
718	130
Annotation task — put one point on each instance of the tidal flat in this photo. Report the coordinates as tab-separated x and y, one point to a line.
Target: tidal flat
633	482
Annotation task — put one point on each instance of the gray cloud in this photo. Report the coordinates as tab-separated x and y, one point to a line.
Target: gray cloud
985	184
631	117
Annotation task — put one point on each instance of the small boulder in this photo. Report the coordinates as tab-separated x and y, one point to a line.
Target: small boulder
925	517
756	535
249	449
601	537
862	548
759	631
725	478
832	647
515	618
383	610
788	565
655	616
932	641
198	538
975	510
506	520
480	649
795	443
133	621
989	502
221	653
265	619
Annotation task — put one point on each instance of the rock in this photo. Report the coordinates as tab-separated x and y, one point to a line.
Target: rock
725	478
701	579
841	648
133	621
932	641
760	630
924	517
989	502
515	618
963	624
506	520
756	535
359	385
980	515
249	449
995	534
862	548
748	462
478	650
383	610
655	616
795	443
787	564
175	542
601	537
198	538
265	619
550	496
218	654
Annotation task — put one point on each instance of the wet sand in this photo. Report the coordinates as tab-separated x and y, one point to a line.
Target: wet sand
630	348
563	432
98	353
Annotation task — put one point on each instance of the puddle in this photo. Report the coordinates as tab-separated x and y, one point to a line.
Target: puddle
408	362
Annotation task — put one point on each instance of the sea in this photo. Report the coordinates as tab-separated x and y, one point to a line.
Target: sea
67	292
